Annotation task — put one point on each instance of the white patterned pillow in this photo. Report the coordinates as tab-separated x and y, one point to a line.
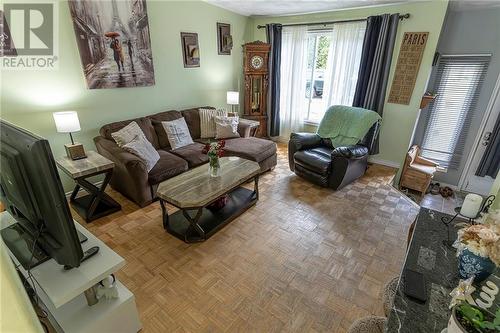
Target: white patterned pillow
207	121
127	134
177	133
226	127
143	149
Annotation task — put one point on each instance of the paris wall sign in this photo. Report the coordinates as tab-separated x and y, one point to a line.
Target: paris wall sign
114	43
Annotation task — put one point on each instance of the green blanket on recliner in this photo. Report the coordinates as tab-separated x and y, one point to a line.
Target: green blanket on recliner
346	125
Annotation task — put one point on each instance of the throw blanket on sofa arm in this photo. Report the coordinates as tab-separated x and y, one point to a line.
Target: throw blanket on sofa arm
346	125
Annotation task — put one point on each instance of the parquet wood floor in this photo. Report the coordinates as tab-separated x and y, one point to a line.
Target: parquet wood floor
304	259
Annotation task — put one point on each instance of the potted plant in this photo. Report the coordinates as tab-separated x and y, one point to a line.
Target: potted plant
466	318
479	248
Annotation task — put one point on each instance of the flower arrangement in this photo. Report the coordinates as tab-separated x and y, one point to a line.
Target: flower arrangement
482	239
214	150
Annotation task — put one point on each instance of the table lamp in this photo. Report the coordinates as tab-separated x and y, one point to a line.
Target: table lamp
67	122
233	98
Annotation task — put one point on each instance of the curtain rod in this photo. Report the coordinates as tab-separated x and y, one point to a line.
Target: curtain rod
401	17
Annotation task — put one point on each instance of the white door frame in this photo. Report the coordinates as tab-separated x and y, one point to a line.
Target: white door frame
495	98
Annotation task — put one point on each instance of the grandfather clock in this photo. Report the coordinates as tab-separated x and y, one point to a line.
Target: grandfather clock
255	61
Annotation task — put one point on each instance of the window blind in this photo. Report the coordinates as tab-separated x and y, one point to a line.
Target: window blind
458	83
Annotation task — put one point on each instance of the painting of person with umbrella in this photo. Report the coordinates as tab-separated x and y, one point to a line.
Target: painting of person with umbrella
116	46
109	35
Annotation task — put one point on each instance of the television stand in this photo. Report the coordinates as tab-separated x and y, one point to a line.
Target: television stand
62	293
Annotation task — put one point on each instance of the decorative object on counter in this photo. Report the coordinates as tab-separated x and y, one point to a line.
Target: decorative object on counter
466	318
481	215
214	150
462	292
471	205
107	288
190	49
67	122
233	98
478	249
224	38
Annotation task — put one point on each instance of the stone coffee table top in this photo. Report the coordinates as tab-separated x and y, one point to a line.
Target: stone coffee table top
195	188
94	162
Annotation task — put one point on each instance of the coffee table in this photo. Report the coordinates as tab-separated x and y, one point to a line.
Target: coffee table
193	190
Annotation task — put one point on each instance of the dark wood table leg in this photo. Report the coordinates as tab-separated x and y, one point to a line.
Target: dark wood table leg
164	213
193	223
256	187
88	206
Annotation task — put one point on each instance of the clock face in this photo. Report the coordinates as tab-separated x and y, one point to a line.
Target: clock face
257	61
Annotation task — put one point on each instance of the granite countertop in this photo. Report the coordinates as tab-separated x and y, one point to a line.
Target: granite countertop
428	255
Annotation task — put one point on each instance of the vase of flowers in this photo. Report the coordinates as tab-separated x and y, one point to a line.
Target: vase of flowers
479	249
214	151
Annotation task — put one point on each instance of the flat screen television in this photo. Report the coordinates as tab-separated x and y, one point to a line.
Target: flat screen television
32	192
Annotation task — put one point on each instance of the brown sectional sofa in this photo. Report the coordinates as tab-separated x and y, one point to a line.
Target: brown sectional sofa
130	176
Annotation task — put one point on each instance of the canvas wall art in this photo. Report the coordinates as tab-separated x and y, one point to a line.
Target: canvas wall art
190	49
114	43
224	39
7	47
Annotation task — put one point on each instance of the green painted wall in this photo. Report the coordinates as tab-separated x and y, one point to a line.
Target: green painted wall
399	120
28	98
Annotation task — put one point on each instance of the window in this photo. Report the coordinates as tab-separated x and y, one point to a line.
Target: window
458	83
318	44
333	60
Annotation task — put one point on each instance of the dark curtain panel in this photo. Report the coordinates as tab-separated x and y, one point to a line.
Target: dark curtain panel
490	162
376	58
274	38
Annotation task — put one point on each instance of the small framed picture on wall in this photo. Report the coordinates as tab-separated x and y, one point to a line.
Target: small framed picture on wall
224	39
190	49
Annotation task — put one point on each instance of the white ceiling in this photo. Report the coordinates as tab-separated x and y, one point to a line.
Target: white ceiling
289	7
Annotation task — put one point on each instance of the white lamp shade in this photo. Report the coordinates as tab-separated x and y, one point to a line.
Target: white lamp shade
66	121
233	98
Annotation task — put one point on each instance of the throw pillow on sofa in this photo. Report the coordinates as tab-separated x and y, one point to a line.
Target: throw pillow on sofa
207	121
177	133
226	127
127	134
143	149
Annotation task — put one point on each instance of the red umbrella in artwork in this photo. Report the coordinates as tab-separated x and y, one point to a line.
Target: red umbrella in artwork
112	34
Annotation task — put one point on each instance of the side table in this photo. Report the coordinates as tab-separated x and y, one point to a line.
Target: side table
96	203
253	124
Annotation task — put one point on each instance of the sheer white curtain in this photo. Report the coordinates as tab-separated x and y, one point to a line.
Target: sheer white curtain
344	58
293	82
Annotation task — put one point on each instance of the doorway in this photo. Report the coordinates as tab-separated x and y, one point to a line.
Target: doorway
469	182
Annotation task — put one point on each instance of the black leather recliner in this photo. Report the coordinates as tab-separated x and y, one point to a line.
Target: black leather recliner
316	160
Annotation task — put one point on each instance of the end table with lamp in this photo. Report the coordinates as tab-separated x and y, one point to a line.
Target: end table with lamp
96	203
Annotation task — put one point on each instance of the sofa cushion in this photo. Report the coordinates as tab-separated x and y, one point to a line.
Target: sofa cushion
177	133
254	149
317	159
167	166
156	119
192	153
192	117
207	121
143	149
144	123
